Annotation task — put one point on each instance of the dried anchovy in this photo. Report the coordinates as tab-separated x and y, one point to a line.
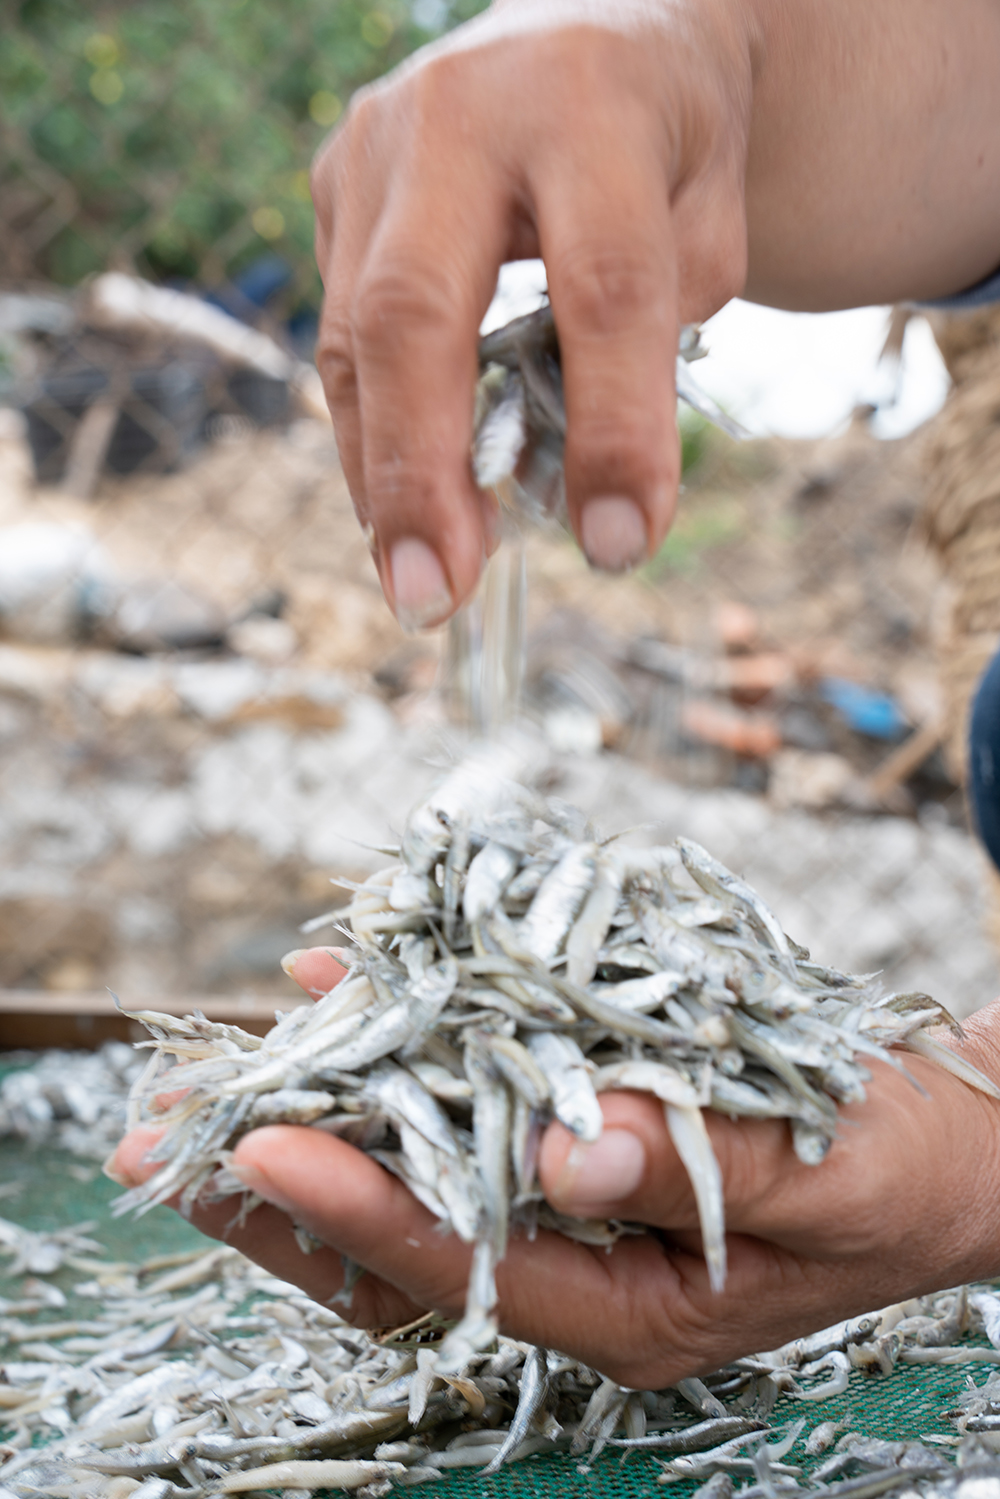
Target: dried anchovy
507	970
199	1374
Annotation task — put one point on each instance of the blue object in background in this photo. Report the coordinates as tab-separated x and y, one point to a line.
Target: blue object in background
263	278
865	711
984	759
249	293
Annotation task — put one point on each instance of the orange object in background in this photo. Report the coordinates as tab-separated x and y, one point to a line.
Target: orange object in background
755	735
736	625
750	678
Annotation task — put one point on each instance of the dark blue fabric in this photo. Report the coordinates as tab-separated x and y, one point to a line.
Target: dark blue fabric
984	759
980	295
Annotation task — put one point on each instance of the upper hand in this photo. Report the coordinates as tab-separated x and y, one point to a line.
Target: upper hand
905	1203
607	137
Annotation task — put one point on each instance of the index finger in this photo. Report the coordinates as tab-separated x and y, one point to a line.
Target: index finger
414	311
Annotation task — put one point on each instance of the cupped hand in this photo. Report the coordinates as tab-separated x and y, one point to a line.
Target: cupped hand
607	136
906	1202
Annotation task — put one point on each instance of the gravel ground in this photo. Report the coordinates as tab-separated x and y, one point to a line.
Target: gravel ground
166	827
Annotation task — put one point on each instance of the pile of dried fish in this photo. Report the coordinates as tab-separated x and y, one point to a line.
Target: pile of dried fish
197	1374
507	969
72	1099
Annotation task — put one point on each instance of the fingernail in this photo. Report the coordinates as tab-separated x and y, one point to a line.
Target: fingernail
290	959
607	1171
613	534
109	1171
419	586
255	1181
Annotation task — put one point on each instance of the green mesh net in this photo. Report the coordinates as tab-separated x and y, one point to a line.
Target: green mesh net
52	1189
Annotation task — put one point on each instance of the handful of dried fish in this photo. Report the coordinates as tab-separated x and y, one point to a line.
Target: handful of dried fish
506	969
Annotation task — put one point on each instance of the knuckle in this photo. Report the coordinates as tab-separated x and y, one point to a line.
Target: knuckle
335	362
396	299
440	90
351	140
400	483
601	289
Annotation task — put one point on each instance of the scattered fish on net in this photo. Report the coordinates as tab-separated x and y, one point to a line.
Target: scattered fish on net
508	969
73	1099
197	1374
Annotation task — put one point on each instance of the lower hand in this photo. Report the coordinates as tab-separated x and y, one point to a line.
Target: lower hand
905	1203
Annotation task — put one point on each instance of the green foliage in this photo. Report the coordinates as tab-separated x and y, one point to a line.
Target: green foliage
696	437
176	135
704	522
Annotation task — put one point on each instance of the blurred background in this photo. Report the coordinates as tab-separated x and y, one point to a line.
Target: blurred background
206	709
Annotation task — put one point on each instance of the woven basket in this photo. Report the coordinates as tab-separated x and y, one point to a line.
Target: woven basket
962	511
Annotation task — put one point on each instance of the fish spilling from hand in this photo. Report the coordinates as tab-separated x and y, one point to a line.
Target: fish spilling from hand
508	968
517	452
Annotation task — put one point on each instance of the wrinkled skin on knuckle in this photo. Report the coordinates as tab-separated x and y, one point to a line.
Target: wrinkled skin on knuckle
756	1160
606	288
582	67
335	360
348	156
399	299
657	1333
404	487
638	443
442	90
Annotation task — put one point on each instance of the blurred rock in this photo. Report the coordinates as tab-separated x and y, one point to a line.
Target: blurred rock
54	579
263	638
919	692
572	729
813	781
164	615
45	940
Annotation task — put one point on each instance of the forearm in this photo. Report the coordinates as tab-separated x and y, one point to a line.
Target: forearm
873	171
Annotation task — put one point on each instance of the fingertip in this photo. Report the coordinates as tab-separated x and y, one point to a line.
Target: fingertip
127	1164
317	970
265	1147
585	1178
